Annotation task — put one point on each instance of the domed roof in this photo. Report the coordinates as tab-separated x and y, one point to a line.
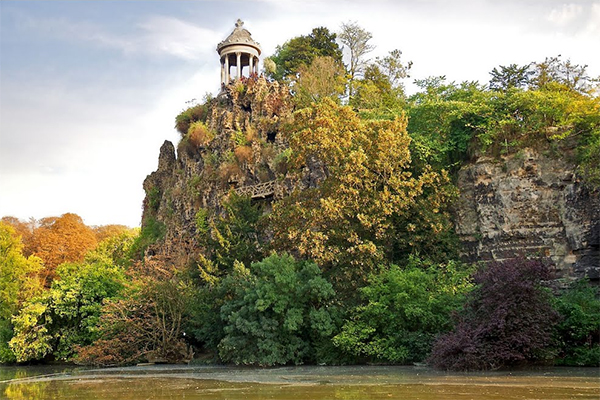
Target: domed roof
239	36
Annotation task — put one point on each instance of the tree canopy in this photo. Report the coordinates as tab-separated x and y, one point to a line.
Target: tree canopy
302	50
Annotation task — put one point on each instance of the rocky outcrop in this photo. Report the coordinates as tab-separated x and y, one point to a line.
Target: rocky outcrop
529	203
245	149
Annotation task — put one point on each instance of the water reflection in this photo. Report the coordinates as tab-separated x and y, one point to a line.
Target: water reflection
348	383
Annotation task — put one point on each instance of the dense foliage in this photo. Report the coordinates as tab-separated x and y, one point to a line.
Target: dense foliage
279	312
370	208
508	319
579	329
403	310
302	50
19	281
356	262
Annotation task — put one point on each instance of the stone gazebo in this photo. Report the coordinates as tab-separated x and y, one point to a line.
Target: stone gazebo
238	49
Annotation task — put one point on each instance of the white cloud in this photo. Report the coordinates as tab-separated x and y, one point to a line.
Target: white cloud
565	15
152	35
176	37
593	27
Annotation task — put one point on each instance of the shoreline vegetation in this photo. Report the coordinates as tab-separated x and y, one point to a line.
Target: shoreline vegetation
360	267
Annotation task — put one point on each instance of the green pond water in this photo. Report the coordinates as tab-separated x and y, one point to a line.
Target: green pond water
298	383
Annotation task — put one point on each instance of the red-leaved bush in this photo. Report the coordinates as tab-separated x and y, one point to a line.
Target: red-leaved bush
508	319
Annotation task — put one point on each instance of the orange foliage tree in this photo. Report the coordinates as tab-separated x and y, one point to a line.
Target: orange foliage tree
62	239
104	232
25	230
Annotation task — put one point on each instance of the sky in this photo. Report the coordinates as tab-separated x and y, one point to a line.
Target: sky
89	90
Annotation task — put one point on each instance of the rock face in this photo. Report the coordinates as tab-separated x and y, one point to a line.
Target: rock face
529	203
245	148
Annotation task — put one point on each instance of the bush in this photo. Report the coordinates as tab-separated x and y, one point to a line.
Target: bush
279	312
579	330
403	310
152	231
198	134
243	154
193	114
145	325
508	320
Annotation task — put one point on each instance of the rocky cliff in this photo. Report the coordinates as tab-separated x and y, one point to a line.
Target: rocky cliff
529	203
244	148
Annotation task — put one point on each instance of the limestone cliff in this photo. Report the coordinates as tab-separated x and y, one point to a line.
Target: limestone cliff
529	203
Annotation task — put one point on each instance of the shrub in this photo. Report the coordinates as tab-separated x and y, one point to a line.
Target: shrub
152	231
193	114
278	312
145	325
508	319
243	154
229	171
579	330
403	310
198	134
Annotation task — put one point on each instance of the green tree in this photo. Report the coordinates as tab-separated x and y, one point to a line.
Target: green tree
579	328
375	96
302	50
403	310
554	70
68	313
369	207
278	313
19	281
394	68
512	76
234	235
444	120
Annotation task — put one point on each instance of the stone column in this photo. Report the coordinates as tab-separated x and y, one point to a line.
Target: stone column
251	66
227	69
222	71
239	64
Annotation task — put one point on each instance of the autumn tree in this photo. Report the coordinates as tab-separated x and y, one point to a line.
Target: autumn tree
103	232
24	229
369	208
324	77
146	324
62	239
